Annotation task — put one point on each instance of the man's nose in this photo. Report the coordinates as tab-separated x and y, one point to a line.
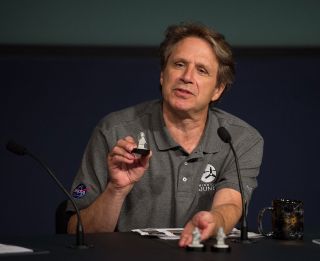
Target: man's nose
187	76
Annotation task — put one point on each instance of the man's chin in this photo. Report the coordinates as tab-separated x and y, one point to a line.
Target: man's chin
182	106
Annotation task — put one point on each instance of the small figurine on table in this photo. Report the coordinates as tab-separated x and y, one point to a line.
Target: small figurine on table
196	244
220	246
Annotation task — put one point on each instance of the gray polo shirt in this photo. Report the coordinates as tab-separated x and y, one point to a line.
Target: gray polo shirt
177	184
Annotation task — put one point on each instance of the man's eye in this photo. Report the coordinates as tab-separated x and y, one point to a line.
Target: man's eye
202	70
179	64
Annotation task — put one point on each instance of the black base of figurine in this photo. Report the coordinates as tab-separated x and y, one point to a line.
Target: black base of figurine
142	152
220	249
196	249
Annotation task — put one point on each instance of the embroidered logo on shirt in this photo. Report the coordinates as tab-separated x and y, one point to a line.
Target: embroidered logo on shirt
207	179
80	191
209	175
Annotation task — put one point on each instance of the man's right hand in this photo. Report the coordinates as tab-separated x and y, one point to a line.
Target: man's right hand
125	168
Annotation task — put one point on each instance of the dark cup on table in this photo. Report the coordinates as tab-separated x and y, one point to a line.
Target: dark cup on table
287	219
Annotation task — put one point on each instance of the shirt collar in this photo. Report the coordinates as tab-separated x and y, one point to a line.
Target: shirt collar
209	143
160	131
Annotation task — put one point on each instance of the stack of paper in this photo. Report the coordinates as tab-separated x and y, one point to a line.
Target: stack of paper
10	249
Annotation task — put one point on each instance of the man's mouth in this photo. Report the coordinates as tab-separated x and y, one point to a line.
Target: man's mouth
182	92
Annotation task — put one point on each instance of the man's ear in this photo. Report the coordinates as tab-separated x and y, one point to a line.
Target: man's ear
161	78
218	91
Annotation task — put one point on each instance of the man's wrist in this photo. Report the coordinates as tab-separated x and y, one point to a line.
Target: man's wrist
118	191
220	222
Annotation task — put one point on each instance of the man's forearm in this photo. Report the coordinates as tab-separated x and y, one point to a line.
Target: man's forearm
102	215
226	216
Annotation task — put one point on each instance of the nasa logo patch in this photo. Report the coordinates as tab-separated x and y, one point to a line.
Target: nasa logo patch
80	191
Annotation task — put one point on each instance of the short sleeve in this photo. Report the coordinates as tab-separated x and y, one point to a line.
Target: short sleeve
249	152
92	175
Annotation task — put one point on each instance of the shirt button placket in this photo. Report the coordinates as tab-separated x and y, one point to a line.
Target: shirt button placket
184	176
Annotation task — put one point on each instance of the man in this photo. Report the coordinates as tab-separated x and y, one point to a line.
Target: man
189	178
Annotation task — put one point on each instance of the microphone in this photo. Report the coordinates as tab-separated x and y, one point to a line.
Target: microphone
226	137
21	151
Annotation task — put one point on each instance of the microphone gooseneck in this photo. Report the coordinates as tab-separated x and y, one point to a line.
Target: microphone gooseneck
21	151
225	136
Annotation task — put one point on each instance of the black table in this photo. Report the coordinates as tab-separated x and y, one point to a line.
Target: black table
131	246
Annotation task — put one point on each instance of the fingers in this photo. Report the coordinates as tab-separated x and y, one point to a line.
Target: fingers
206	223
144	160
202	220
121	152
207	230
186	235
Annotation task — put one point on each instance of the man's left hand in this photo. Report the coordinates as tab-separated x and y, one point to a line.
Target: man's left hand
203	220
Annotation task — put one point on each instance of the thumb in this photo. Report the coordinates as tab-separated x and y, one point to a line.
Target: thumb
144	160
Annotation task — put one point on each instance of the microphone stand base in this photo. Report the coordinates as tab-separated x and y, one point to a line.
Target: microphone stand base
246	241
80	246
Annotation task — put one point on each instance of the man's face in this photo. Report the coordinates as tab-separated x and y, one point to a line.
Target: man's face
190	77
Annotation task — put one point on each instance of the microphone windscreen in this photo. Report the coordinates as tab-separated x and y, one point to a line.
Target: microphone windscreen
224	135
16	148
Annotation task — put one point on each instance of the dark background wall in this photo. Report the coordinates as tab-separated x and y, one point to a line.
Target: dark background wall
54	90
141	22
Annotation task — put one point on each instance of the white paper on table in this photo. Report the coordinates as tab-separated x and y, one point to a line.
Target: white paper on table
11	249
162	233
235	233
174	233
